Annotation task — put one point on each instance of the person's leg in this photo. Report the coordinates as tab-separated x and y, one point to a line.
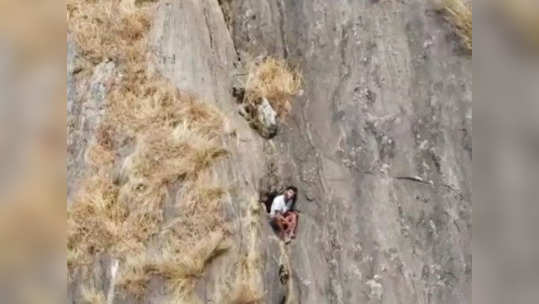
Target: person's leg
291	218
286	224
282	224
288	217
274	224
293	223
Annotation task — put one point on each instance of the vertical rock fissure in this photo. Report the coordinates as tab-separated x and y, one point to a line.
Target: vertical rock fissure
280	6
287	276
210	35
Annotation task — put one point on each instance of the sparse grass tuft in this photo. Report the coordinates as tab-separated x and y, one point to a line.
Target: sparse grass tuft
186	249
460	16
134	276
245	293
92	296
181	266
274	80
101	220
247	286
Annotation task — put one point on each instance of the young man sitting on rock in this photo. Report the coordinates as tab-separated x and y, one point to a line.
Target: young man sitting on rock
283	216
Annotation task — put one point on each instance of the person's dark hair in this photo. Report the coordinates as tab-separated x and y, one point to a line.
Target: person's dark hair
295	189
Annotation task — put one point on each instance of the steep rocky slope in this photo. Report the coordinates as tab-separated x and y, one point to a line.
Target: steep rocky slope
379	144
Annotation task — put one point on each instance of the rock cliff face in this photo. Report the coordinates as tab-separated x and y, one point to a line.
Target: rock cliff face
379	145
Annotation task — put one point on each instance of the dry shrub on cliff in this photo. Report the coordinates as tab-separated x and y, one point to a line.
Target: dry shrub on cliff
247	294
246	288
189	242
460	16
118	214
198	229
274	80
165	155
92	296
181	266
105	29
134	276
142	101
101	219
93	219
118	209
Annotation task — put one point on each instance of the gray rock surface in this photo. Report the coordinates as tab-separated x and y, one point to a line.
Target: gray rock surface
379	145
85	96
267	119
387	95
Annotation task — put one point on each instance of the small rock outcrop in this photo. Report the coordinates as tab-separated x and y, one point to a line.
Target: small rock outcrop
267	119
262	117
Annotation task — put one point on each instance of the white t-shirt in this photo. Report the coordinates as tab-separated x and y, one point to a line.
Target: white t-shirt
279	204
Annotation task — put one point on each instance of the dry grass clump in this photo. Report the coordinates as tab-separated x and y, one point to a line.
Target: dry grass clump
246	288
246	294
118	209
189	242
460	16
143	101
274	80
135	276
106	29
247	285
168	154
92	296
100	220
119	216
181	266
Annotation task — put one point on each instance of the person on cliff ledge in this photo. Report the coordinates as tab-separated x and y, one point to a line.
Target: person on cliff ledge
283	216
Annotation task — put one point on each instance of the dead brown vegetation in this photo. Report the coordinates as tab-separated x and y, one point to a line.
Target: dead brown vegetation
118	209
106	29
274	80
188	243
92	296
460	16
